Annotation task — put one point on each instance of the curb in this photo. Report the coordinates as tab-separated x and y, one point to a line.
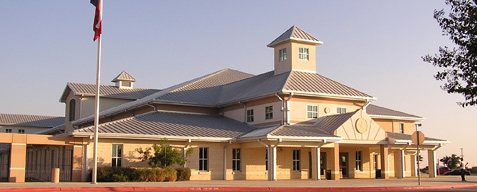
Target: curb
85	189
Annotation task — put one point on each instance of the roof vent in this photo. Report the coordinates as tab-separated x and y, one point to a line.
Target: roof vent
124	80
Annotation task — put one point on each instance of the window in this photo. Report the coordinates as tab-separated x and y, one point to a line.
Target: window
8	130
116	156
312	111
126	83
359	164
236	159
203	159
340	110
283	54
269	112
401	128
250	115
72	110
303	53
296	160
266	159
21	131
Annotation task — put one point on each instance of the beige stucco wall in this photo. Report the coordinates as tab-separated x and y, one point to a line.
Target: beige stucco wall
392	125
87	105
293	62
298	107
28	130
258	107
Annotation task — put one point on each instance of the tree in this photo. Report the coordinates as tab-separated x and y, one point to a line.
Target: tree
459	64
164	155
451	161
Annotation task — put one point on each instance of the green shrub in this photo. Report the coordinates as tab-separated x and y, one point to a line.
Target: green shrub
126	174
119	178
183	174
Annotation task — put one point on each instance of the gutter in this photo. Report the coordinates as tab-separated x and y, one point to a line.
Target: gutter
281	109
244	111
288	108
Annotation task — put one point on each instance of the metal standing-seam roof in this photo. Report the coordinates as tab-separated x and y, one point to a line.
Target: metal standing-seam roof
400	136
382	111
162	123
332	122
106	91
205	91
315	83
31	120
295	33
124	76
193	91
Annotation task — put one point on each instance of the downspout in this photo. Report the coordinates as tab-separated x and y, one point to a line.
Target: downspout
225	159
288	108
366	105
80	105
244	111
282	121
185	150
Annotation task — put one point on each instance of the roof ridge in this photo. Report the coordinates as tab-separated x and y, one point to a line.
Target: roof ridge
286	81
141	101
329	79
203	78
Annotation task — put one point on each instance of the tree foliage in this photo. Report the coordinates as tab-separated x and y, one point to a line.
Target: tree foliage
163	155
451	161
458	64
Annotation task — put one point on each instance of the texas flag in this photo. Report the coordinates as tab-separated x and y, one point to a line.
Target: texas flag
97	26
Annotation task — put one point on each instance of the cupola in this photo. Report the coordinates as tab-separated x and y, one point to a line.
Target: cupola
124	80
295	50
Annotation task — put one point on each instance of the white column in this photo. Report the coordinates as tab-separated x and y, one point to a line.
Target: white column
318	164
274	164
403	164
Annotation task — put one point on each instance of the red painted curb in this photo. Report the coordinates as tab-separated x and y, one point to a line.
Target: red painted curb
86	189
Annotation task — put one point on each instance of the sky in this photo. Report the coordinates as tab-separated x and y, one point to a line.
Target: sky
372	46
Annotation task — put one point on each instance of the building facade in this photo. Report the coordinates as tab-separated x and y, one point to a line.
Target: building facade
289	123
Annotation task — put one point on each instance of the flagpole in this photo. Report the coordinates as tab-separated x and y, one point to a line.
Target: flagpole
96	106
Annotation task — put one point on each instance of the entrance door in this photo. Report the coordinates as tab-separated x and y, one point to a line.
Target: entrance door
344	165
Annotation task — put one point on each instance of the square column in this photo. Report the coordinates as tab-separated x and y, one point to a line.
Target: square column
413	166
17	158
384	162
399	164
431	157
335	162
77	167
316	165
273	166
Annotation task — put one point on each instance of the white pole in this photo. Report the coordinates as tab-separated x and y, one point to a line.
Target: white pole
96	105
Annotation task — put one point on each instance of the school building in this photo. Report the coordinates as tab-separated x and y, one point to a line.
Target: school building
288	123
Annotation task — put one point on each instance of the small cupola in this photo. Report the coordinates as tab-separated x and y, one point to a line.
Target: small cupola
295	50
124	80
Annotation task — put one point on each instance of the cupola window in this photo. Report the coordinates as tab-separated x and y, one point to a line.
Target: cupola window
283	54
303	53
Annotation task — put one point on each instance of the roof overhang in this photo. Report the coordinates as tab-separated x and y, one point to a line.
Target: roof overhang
397	117
331	96
151	137
293	138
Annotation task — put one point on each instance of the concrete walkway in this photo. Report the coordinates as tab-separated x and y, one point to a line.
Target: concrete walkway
441	182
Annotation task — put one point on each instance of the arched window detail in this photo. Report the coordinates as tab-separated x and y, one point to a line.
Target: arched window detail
72	110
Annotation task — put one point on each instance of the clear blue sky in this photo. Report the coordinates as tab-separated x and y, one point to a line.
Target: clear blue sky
373	46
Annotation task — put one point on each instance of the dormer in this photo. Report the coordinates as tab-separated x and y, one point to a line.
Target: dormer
295	50
124	80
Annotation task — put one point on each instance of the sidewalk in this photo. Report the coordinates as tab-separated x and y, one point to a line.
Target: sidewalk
441	182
